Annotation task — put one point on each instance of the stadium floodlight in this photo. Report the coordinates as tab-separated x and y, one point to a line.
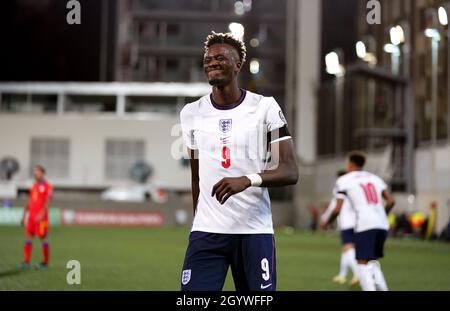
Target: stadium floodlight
237	30
239	8
365	49
433	34
254	42
397	35
254	66
395	52
391	49
361	49
333	65
442	15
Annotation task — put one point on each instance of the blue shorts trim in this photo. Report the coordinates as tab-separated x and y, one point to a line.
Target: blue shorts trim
347	236
252	259
369	245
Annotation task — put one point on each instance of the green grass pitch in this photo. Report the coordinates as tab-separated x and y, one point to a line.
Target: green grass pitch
151	259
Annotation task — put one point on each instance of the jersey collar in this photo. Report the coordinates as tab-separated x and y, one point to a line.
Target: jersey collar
230	106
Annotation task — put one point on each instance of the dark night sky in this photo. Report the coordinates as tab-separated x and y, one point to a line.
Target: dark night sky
38	44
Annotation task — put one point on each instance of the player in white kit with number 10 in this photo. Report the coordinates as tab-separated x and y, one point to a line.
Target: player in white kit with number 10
366	192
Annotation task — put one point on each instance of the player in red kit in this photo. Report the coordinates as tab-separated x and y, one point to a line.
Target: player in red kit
36	224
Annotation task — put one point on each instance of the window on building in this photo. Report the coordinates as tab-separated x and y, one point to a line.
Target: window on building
28	103
53	154
121	155
151	104
90	104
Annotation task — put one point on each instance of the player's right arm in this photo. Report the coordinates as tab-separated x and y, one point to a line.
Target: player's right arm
336	211
340	193
327	214
390	201
192	150
194	178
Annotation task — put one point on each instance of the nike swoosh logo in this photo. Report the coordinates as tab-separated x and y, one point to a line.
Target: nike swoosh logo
265	286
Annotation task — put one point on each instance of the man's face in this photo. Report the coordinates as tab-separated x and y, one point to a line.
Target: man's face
221	64
38	174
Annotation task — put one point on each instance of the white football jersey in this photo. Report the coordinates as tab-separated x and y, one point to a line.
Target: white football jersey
231	142
346	219
364	191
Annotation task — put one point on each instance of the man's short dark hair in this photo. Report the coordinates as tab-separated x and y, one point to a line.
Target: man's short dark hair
357	158
341	172
40	167
227	38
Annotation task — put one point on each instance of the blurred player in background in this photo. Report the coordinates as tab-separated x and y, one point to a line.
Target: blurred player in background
36	224
366	192
224	132
346	225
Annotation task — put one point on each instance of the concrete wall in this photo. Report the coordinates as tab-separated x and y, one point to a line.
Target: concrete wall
432	176
87	135
307	72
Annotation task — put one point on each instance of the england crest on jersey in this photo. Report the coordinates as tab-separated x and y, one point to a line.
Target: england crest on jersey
225	125
186	277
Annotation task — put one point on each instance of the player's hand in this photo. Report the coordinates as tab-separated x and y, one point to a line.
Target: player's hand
38	218
228	186
323	225
22	222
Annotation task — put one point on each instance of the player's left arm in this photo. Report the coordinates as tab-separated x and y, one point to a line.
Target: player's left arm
390	201
285	173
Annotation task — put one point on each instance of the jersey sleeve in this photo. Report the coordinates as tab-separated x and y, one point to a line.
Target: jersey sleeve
381	184
187	129
326	215
340	189
276	122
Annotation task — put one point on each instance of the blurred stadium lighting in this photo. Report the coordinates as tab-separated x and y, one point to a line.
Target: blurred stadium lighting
391	49
361	49
433	34
237	30
443	12
254	66
239	8
254	42
333	65
247	5
395	52
443	17
365	49
397	35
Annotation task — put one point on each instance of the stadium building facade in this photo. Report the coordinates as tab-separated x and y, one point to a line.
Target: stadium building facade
394	104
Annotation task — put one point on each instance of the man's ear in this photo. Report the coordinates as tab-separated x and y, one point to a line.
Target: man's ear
238	66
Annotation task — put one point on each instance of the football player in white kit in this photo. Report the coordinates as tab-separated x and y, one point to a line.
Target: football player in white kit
228	134
346	225
366	192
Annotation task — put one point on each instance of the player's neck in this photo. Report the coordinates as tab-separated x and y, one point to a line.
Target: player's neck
226	95
356	169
